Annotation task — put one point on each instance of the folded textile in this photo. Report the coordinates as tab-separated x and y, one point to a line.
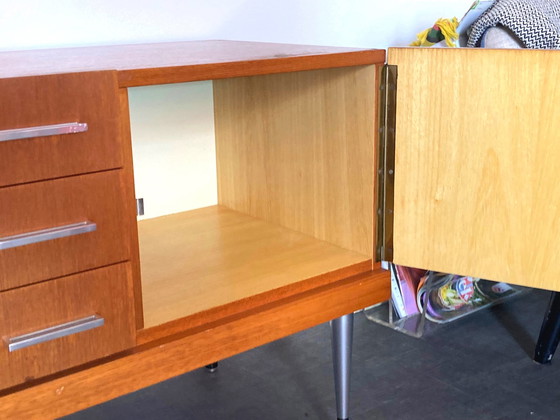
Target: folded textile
536	23
500	37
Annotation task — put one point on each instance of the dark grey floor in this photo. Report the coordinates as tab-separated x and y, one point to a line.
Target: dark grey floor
479	367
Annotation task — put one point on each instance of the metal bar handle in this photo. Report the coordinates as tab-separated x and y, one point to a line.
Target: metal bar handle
46	234
48	334
43	130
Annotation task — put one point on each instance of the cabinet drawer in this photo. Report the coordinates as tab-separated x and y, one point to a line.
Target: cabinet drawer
105	293
29	254
32	102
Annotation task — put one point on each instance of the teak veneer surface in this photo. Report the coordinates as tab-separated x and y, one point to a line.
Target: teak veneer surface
129	195
174	62
55	99
40	205
105	292
210	257
477	160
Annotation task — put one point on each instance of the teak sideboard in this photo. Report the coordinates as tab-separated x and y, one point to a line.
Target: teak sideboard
465	147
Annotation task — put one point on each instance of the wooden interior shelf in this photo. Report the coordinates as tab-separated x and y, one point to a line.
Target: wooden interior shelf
209	257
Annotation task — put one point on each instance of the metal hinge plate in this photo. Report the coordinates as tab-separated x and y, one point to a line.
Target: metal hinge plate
140	207
386	163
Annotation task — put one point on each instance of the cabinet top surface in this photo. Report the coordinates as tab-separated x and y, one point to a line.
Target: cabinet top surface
144	64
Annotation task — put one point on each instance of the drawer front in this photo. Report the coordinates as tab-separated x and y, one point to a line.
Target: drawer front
38	103
105	294
55	228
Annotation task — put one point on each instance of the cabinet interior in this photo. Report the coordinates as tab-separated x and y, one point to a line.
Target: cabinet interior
282	193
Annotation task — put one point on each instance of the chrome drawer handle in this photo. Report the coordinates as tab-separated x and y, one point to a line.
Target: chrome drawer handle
43	130
46	234
48	334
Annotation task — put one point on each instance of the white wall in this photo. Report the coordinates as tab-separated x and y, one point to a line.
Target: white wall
173	147
29	24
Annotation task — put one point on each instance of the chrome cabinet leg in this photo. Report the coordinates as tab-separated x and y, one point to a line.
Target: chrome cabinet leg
342	331
212	367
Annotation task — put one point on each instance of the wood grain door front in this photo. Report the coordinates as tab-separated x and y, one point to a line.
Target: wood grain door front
29	103
101	297
477	190
55	228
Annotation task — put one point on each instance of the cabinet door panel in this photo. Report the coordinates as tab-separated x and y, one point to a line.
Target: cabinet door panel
477	163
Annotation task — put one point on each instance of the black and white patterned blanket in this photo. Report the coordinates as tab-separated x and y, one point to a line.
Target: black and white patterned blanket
535	22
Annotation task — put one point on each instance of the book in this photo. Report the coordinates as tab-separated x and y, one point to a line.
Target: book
404	285
396	295
409	278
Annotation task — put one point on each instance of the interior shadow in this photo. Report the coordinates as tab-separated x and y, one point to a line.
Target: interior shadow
508	317
301	367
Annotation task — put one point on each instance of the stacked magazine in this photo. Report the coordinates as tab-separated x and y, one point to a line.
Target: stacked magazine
443	297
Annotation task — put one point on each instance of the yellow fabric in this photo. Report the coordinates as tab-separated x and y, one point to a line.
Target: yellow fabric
448	28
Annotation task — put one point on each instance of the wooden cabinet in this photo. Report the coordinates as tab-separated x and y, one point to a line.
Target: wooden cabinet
288	244
290	241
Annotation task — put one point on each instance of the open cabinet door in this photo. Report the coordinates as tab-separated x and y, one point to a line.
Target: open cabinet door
477	163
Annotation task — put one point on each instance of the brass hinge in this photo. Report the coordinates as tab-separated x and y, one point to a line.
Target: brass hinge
386	163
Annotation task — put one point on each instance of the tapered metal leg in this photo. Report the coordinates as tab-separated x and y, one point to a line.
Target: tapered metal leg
342	332
550	331
212	367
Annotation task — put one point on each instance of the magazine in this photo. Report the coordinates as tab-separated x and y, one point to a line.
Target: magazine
404	285
396	295
476	10
407	279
